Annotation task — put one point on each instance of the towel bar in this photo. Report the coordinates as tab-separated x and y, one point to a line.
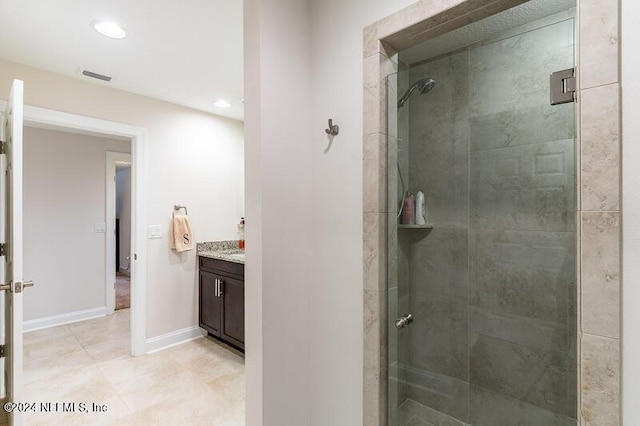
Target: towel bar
177	207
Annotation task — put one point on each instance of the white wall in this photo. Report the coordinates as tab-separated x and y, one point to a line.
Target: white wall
194	159
279	208
64	196
303	65
337	204
123	212
631	211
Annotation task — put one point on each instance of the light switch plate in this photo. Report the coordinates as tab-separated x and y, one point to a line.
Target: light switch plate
99	228
155	231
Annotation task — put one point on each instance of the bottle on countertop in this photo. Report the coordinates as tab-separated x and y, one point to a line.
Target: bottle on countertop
408	209
241	234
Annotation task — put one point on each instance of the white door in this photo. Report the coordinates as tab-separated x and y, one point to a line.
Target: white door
11	237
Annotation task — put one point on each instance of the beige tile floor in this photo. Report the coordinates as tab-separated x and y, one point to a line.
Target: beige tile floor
196	383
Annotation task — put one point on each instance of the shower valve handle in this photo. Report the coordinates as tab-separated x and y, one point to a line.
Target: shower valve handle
404	321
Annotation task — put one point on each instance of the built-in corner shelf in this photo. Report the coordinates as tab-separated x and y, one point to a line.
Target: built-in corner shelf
425	226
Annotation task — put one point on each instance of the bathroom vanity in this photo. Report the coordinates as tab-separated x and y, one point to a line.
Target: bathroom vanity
221	294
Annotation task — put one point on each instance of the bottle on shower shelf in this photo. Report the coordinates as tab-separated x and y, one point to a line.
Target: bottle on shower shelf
408	209
421	210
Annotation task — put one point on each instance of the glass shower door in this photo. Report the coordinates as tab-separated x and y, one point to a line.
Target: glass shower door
482	297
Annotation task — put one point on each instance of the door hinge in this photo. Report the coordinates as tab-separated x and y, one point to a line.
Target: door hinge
3	147
562	86
1	351
3	249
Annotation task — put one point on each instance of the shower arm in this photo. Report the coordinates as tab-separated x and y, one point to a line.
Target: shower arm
407	95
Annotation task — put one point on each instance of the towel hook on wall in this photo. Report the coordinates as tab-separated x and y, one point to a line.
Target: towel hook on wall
333	129
177	207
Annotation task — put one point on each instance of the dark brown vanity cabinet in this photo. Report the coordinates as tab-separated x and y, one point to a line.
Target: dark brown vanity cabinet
221	300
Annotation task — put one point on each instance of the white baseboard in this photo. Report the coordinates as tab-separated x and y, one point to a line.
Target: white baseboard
55	320
172	339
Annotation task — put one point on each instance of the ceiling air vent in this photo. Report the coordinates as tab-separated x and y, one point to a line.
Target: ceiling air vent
96	75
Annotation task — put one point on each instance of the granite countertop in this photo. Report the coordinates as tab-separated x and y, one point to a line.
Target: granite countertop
221	250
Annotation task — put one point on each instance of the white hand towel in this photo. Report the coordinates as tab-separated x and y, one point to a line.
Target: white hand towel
182	236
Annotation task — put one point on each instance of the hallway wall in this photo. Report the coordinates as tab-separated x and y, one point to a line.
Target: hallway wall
64	197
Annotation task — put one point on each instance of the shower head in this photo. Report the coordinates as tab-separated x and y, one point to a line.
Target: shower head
424	86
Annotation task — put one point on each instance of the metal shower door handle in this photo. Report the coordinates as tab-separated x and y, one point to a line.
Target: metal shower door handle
404	321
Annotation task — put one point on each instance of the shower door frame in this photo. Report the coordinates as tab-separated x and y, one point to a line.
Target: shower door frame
598	193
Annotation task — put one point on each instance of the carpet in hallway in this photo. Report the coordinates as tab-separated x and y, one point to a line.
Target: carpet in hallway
123	288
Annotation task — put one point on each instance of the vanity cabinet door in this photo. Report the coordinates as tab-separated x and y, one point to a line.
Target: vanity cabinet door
210	303
233	311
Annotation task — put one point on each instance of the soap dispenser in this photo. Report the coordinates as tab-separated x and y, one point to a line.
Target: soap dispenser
241	234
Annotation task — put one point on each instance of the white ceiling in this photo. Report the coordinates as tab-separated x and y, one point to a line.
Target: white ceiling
188	52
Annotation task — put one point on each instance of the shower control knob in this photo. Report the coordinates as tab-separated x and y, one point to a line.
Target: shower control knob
404	321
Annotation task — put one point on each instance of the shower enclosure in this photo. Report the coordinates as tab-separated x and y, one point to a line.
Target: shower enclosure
482	298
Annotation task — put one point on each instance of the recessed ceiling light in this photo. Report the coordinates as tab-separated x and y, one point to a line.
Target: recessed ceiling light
222	104
109	29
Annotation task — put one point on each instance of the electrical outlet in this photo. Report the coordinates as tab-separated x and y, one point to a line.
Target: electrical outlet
155	231
99	228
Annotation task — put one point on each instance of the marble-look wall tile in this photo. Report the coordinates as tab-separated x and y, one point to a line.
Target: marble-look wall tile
376	69
601	273
439	264
439	336
375	249
600	381
375	173
521	372
375	330
539	334
527	187
513	73
488	408
524	273
374	397
523	125
599	46
372	43
414	413
600	146
442	393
